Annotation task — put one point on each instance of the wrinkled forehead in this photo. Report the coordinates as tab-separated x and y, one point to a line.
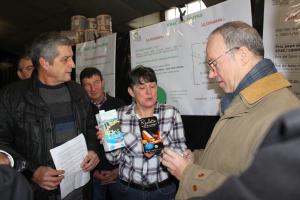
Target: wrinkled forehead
64	50
215	44
215	40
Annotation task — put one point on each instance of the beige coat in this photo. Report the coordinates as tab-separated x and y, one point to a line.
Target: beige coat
237	134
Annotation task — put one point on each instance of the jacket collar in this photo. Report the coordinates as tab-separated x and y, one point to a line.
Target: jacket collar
33	94
252	94
263	68
249	97
263	87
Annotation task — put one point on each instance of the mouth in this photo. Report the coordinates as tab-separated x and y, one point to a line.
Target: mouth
149	99
93	94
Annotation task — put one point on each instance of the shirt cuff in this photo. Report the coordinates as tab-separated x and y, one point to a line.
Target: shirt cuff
10	158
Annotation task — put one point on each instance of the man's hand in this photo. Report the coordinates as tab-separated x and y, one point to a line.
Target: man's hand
106	176
47	177
175	162
4	159
90	161
188	154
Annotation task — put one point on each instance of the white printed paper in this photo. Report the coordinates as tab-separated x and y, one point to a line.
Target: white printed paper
68	157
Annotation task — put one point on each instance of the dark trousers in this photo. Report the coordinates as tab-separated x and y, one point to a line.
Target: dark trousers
126	192
103	192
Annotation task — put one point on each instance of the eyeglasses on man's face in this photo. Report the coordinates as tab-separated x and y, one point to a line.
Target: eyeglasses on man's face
27	68
213	63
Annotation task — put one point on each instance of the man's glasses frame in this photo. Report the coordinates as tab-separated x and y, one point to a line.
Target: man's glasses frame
213	63
27	68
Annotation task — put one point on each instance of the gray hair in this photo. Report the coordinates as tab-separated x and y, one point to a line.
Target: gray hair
45	46
238	33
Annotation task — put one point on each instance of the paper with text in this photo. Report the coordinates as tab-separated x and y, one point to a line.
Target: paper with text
68	157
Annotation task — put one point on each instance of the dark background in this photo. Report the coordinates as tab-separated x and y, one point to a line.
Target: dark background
30	18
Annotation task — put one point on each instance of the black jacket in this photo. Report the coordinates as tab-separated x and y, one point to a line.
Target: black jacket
26	125
13	186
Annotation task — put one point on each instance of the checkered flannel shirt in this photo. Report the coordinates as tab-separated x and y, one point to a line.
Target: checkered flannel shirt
133	165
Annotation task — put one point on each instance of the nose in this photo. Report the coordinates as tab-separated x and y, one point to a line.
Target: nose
93	87
212	74
148	90
72	64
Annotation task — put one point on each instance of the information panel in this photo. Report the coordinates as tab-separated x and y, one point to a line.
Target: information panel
176	51
282	38
100	54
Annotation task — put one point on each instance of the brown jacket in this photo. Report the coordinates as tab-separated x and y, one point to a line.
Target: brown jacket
237	134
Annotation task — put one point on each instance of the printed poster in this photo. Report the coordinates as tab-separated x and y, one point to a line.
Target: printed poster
176	51
100	54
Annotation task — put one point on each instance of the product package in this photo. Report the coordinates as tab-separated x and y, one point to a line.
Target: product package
150	135
109	124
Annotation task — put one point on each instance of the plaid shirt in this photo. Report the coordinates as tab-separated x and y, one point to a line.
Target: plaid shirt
133	165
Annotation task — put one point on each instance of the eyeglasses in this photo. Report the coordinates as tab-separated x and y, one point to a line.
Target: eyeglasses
27	68
213	63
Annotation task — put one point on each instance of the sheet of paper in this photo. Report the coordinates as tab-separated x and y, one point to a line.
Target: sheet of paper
68	157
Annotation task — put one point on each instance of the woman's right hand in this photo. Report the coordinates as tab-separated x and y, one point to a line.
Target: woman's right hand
100	134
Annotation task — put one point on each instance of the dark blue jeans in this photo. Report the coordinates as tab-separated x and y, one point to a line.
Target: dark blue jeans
125	192
103	192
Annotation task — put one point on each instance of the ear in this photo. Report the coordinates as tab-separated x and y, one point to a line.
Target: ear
44	63
19	74
244	54
130	91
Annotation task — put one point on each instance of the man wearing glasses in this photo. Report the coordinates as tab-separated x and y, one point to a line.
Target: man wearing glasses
25	67
255	94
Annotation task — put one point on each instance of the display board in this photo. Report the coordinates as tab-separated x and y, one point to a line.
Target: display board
176	51
282	38
100	54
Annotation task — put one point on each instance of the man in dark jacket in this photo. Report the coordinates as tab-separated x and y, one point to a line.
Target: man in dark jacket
106	174
42	112
274	173
13	186
25	67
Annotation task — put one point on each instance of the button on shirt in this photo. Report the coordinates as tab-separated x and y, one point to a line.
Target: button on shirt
133	165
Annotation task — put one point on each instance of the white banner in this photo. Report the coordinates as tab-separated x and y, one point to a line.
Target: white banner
176	51
282	38
100	54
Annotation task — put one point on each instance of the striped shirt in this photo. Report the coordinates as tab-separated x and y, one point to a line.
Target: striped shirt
133	165
58	100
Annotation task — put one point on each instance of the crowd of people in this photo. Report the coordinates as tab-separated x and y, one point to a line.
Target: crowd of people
252	147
